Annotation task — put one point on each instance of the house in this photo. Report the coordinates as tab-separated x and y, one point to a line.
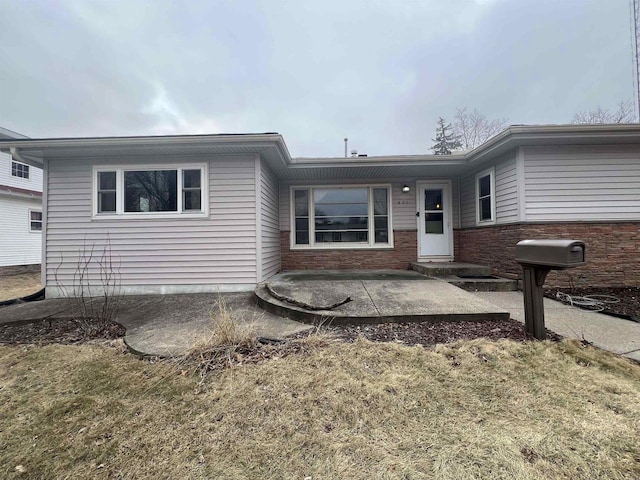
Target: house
20	212
205	213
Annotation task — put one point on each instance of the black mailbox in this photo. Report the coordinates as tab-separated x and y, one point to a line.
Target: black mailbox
556	254
537	258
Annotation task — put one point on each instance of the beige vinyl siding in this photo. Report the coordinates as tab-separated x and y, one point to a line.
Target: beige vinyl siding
167	254
270	230
18	245
403	205
583	183
467	201
506	190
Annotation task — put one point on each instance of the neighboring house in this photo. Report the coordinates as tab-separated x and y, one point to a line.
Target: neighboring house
206	213
20	210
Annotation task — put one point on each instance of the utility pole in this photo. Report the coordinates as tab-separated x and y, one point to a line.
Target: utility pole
635	34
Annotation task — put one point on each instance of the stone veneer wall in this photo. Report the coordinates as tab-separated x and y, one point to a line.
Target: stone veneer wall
612	251
404	252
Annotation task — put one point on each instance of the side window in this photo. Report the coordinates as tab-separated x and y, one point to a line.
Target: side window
106	192
35	220
19	170
485	196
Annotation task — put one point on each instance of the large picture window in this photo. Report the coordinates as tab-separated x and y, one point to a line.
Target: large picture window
341	216
153	191
485	196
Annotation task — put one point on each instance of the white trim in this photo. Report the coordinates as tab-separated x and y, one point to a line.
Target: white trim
45	204
120	214
96	291
39	210
491	172
449	183
371	245
258	202
521	185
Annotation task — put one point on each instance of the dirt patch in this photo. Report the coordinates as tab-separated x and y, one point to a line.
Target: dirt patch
627	307
64	331
433	333
18	286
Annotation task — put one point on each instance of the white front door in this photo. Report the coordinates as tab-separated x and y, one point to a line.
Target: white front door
434	220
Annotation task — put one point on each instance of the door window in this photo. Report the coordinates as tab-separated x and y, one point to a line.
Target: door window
433	214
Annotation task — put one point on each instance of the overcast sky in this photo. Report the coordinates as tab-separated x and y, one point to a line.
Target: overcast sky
378	72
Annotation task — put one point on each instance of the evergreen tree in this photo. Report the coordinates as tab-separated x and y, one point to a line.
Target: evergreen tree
446	140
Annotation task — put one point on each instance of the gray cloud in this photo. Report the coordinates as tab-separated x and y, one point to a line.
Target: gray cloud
379	72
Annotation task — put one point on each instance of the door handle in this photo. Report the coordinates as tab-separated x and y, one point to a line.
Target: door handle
417	214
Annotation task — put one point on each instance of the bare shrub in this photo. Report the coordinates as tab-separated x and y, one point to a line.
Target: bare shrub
95	289
232	342
225	344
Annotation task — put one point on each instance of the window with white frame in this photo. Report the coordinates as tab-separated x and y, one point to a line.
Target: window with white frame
152	191
325	217
19	170
35	220
485	196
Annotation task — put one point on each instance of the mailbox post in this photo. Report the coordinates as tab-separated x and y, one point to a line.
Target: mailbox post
538	258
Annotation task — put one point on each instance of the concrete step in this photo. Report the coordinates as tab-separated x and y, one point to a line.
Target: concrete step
374	301
487	283
469	277
441	269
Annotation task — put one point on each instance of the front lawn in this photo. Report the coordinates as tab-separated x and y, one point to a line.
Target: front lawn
474	409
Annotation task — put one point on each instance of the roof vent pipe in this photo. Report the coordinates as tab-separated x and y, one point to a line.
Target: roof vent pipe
345	146
354	153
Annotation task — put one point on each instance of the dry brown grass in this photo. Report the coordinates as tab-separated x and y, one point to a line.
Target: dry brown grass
231	342
18	286
475	409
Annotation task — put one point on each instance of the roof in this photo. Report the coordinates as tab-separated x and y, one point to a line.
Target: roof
6	133
271	146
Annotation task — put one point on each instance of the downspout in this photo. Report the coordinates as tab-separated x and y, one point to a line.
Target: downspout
28	160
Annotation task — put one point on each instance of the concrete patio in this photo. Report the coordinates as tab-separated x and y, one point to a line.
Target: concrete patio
377	296
167	325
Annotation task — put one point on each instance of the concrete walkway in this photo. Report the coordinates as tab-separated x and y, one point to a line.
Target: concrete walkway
167	325
377	296
604	331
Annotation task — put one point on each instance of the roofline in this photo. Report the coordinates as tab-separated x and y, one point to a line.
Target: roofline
138	140
512	137
258	139
518	135
6	133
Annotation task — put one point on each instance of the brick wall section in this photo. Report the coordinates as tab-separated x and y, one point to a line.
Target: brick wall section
612	251
405	251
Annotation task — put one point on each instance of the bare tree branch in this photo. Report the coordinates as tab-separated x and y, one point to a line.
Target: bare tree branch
473	128
625	113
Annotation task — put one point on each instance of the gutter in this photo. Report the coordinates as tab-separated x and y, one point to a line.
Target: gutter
141	141
26	159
